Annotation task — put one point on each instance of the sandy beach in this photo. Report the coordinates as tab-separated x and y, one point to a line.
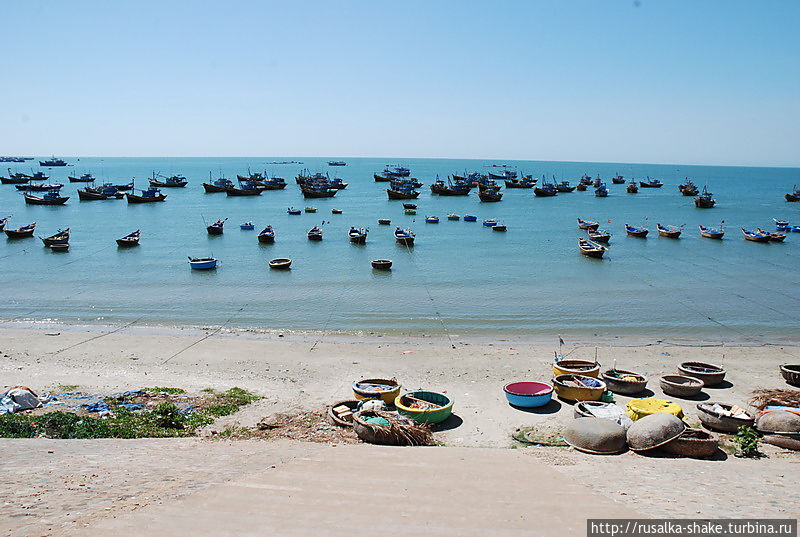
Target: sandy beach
296	373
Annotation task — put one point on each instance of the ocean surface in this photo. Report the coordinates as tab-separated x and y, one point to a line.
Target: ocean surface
460	279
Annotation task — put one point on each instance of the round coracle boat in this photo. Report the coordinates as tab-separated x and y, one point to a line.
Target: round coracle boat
624	382
680	386
377	427
710	374
528	394
424	406
578	388
341	412
280	263
576	367
596	435
791	374
384	389
654	430
723	417
639	408
694	443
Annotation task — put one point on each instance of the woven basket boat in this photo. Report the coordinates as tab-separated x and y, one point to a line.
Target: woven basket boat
718	422
399	431
791	374
576	367
349	403
694	443
387	396
710	374
681	386
442	411
623	386
578	393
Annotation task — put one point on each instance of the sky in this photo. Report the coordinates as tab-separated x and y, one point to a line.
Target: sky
679	82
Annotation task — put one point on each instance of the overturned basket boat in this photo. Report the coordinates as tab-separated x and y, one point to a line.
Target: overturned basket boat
710	374
576	367
791	374
681	386
646	406
386	390
719	422
624	382
590	389
694	443
424	406
388	429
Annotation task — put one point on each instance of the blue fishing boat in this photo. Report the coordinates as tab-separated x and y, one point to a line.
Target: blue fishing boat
651	183
246	188
545	190
39	187
431	219
52	162
150	195
705	200
131	239
84	178
217	185
202	263
404	236
216	228
601	191
712	232
267	235
315	233
48	198
755	236
470	218
358	235
782	225
21	232
247	226
173	181
293	211
634	231
490	222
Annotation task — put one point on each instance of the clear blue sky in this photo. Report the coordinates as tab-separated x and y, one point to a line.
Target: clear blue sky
597	80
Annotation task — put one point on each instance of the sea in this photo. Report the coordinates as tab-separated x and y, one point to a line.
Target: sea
461	279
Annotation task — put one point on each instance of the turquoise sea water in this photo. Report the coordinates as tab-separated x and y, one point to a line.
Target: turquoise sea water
460	278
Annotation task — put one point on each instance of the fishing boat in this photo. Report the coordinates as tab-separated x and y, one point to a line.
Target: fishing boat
48	198
499	227
601	191
591	249
336	211
59	247
453	217
581	187
52	162
587	224
220	184
451	188
688	188
470	218
108	192
545	190
384	221
216	228
409	206
618	180
773	236
358	235
404	236
755	236
564	186
490	222
202	263
124	187
338	184
585	180
267	235
431	219
315	234
410	212
337	163
634	231
3	222
381	264
490	195
380	178
781	225
670	232
520	183
597	182
247	226
61	237
281	263
151	195
39	176
293	211
173	181
599	235
273	183
705	200
651	183
131	239
84	178
632	187
310	209
246	188
252	176
505	174
15	178
39	187
21	232
794	195
711	232
404	194
318	191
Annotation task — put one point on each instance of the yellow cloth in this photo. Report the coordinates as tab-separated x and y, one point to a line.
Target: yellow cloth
639	408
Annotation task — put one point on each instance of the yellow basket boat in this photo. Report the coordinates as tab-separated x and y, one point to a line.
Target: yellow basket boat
576	367
386	390
591	392
639	408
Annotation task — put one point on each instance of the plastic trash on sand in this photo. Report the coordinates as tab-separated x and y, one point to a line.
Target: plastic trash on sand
18	398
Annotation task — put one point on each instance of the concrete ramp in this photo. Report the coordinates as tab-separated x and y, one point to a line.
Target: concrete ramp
370	490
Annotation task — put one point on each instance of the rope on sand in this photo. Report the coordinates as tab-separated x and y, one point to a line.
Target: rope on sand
205	337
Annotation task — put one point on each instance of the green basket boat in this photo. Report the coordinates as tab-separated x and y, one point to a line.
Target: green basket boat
412	405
